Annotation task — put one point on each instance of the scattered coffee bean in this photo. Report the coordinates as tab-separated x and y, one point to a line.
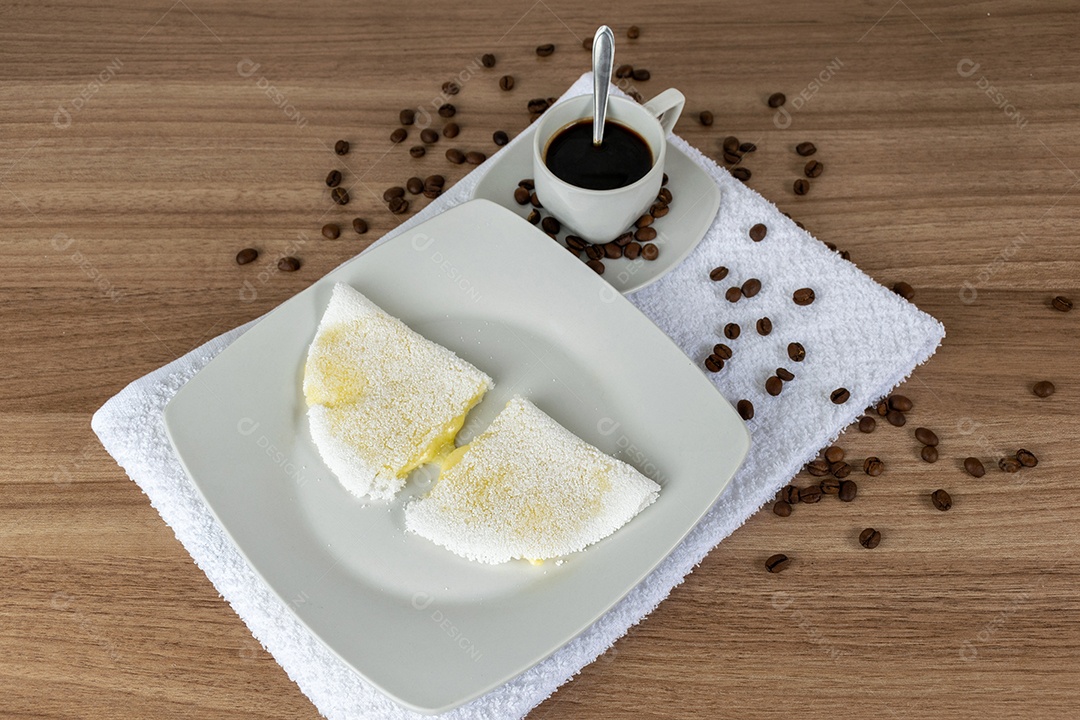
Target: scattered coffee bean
803	296
867	424
901	403
1009	464
451	130
247	255
551	225
746	409
731	331
527	183
393	192
407	116
741	173
545	50
896	418
848	490
596	266
796	352
447	110
632	250
659	210
810	494
777	99
333	179
813	169
399	205
801	187
641	74
751	287
941	499
587	43
721	350
340	195
926	436
645	234
834	453
633	32
650	251
429	135
535	200
840	469
506	82
777	563
781	508
399	135
575	243
806	149
1061	303
594	252
414	185
714	364
475	157
1026	458
705	118
288	264
331	231
764	326
789	494
534	218
830	486
873	466
417	151
521	196
644	221
731	144
1043	388
500	138
732	158
882	408
538	105
869	538
487	60
929	453
624	71
785	374
974	467
733	294
341	147
904	290
455	156
774	385
758	232
718	273
839	396
818	468
359	226
747	147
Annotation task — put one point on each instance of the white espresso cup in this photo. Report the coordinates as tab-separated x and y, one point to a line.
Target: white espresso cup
602	215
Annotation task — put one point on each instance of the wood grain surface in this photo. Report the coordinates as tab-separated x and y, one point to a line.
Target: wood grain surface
143	144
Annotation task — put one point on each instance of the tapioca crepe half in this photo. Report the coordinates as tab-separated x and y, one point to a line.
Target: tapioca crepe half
383	400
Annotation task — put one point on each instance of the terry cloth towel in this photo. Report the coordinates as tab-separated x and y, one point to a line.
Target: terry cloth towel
857	335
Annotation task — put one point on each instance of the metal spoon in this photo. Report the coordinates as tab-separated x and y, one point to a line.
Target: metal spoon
603	59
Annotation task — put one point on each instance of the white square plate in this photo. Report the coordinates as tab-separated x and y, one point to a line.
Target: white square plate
426	627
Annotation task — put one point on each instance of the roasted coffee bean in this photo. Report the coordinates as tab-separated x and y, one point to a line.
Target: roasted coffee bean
789	494
475	157
644	221
781	508
527	183
399	135
340	195
447	110
896	418
929	453
399	205
941	499
731	144
573	241
751	287
848	490
359	226
535	199
705	118
882	408
450	88
551	225
650	251
901	403
758	232
785	374
741	173
451	130
873	466
594	252
840	469
500	138
645	234
1061	303
1026	458
632	250
818	468
331	231
587	43
341	147
455	156
432	192
801	187
834	453
764	326
624	71
641	74
747	147
869	538
803	296
796	352
407	116
732	158
487	60
538	105
664	195
506	82
718	273
721	350
534	217
777	99
746	409
774	385
417	151
1009	464
288	264
658	210
1043	388
813	169
733	294
435	180
731	331
777	563
714	364
596	266
830	486
429	135
904	290
521	196
545	50
392	192
633	32
625	239
247	255
974	467
806	149
839	396
926	436
867	424
810	494
414	185
333	179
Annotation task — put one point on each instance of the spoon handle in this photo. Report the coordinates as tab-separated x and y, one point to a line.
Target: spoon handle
603	59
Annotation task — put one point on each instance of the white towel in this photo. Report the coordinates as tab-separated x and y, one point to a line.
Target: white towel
857	335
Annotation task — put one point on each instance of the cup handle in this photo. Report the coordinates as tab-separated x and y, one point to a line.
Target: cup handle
667	107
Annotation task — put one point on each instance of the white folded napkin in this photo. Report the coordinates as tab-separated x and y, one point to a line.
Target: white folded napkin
857	335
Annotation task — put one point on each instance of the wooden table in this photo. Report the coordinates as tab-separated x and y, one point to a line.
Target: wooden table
143	145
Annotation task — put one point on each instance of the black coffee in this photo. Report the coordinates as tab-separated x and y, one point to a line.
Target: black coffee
621	159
